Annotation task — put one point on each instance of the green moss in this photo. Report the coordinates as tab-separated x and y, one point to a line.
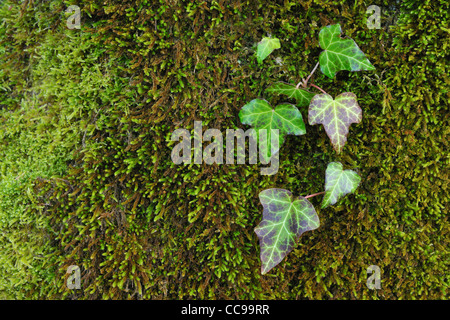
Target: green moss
42	122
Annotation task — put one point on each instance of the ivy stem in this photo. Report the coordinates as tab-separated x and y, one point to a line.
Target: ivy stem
313	85
315	194
304	82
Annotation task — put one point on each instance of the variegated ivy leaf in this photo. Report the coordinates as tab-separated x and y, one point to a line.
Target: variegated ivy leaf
338	183
340	54
265	47
284	221
285	117
336	115
302	96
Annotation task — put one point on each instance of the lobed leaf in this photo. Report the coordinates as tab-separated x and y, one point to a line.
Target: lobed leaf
336	115
338	183
284	220
285	117
302	96
340	54
265	47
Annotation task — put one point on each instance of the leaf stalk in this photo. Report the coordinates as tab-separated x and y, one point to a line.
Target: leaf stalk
304	82
314	194
317	87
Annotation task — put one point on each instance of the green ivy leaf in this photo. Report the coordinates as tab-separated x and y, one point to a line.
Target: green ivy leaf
338	183
340	54
265	47
284	220
302	96
336	115
285	117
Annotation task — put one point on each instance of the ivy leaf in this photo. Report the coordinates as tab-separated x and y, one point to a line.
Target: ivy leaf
338	183
302	96
284	220
336	115
285	117
340	54
265	47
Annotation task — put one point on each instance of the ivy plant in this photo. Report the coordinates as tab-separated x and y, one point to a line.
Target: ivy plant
286	218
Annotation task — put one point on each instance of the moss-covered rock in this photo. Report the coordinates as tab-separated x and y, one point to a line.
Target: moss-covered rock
141	227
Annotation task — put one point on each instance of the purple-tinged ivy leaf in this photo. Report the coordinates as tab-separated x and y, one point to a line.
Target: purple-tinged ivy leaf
336	115
284	221
340	54
338	183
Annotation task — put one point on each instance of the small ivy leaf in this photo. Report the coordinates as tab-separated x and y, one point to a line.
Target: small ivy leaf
265	47
302	96
338	183
284	221
336	115
340	54
285	117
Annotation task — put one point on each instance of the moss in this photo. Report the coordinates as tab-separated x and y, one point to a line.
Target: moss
141	227
43	121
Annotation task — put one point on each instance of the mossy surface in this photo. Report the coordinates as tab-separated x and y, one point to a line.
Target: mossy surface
94	109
